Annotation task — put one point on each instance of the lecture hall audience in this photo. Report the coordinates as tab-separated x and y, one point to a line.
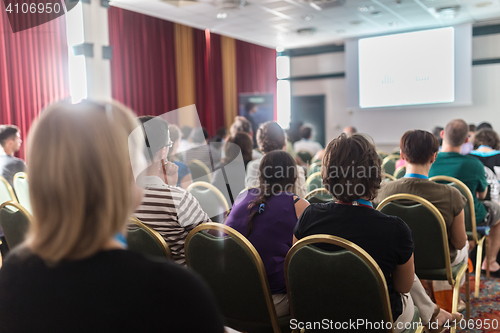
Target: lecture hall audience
266	215
72	273
10	140
241	124
168	209
387	239
470	170
306	143
202	150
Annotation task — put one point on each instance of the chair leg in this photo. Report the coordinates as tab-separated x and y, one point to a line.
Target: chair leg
467	294
486	251
479	259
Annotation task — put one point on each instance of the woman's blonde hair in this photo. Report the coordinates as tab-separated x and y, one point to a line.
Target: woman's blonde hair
80	178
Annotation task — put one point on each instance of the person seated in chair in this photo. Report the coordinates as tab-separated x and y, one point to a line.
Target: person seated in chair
10	140
387	239
486	148
270	137
470	171
166	208
266	215
306	143
419	149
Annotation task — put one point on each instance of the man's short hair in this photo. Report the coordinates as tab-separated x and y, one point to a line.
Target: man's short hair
351	168
186	132
199	135
249	106
455	132
484	125
270	136
418	146
7	132
306	131
156	135
472	128
241	124
487	137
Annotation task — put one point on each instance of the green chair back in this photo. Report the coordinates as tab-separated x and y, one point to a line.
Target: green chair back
15	221
211	200
314	182
22	190
6	192
314	167
145	240
431	252
305	156
400	172
389	164
234	271
199	171
320	195
342	286
382	154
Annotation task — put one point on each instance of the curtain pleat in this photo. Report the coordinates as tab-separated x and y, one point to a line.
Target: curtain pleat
229	79
184	52
33	71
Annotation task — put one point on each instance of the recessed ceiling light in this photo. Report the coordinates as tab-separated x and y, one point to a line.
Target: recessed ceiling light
307	17
222	16
394	24
366	8
378	13
356	22
282	35
483	4
280	49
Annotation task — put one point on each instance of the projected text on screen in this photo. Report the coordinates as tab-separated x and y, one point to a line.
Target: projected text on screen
407	69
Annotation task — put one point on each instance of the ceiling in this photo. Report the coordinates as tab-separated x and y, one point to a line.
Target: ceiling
274	23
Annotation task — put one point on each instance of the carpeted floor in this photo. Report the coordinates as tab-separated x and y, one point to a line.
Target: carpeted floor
485	309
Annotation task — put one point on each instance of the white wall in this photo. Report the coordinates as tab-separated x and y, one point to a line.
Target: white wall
387	126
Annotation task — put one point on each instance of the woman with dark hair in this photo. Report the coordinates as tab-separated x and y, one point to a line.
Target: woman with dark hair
352	174
231	170
266	215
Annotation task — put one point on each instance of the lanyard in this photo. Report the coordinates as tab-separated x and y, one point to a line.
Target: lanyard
121	239
415	175
359	202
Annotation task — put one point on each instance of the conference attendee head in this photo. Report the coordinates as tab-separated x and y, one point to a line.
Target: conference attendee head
270	136
157	138
186	132
487	137
456	133
350	130
306	132
10	139
419	147
351	168
82	188
436	131
239	142
250	108
241	124
483	126
277	172
199	135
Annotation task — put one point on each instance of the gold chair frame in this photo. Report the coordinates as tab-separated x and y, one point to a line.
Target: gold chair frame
155	234
455	283
350	246
314	164
388	176
203	166
311	177
18	206
224	229
212	188
316	192
383	152
397	170
9	189
480	242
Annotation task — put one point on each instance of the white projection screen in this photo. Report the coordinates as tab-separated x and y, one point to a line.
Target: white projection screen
421	68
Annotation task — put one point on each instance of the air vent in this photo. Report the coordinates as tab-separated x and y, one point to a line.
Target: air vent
306	31
230	4
323	4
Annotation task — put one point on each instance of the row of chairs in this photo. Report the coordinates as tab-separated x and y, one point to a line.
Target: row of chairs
21	194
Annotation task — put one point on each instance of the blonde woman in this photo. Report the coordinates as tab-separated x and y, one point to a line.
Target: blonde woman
73	274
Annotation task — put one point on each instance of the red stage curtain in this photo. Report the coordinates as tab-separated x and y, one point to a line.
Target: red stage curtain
33	71
143	73
256	69
208	76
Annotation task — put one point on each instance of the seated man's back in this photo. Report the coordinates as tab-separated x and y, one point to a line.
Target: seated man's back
469	170
9	166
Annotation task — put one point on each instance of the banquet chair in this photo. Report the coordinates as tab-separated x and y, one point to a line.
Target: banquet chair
211	200
22	190
145	240
15	221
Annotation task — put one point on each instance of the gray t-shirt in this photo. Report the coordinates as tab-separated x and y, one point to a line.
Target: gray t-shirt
9	166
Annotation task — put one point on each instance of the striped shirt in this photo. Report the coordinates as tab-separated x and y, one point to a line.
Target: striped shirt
171	211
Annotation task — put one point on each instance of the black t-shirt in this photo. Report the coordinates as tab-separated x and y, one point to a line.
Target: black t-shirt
387	239
491	161
113	291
